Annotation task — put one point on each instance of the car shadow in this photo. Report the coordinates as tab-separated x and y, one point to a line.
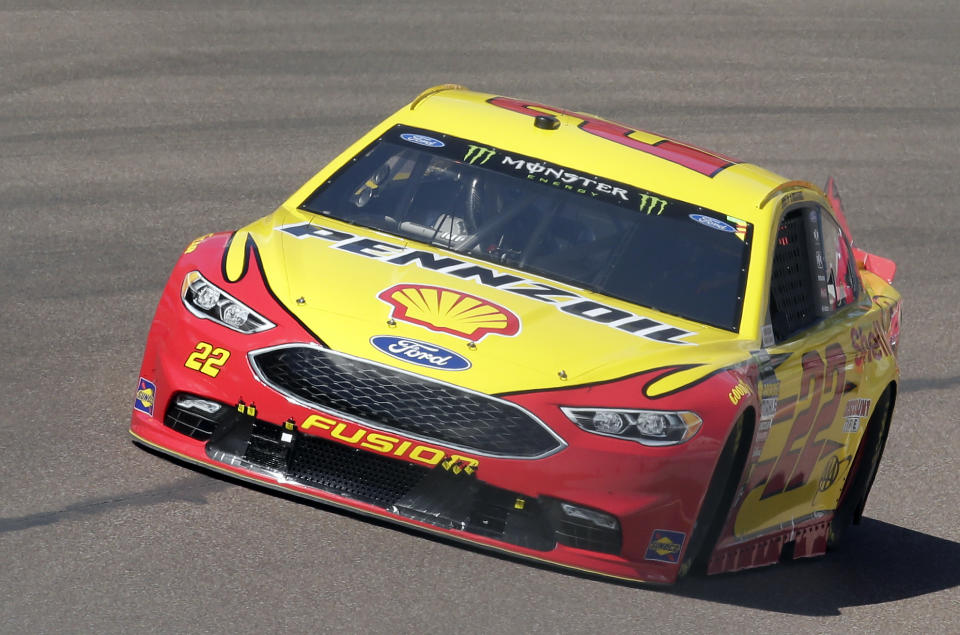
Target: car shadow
877	562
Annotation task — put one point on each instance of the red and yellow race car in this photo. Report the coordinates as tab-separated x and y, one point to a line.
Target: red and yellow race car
544	333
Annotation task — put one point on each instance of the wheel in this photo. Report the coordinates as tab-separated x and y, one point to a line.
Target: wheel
863	471
719	497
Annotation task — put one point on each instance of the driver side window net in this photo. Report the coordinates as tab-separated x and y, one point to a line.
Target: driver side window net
793	304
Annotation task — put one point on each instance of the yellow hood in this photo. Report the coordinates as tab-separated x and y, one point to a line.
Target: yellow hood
349	284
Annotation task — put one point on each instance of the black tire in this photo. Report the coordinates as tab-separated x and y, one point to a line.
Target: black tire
864	469
719	497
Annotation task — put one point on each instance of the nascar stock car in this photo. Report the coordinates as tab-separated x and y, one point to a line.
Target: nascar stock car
540	332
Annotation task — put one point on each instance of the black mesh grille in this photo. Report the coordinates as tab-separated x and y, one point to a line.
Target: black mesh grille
353	473
583	534
405	402
792	300
196	425
265	448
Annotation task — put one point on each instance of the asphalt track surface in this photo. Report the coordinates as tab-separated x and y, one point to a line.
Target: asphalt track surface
129	128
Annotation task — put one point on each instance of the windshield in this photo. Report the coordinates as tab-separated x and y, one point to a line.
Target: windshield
546	219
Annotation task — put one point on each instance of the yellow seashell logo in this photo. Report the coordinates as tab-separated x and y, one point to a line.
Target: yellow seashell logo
449	311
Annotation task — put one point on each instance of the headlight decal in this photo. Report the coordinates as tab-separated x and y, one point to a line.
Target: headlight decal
207	301
648	427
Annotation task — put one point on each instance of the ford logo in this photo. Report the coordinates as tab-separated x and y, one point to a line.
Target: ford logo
419	353
713	223
423	140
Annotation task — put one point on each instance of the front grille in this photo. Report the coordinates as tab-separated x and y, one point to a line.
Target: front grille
405	402
428	494
353	473
582	534
194	423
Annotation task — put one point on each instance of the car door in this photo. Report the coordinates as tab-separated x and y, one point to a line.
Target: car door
811	373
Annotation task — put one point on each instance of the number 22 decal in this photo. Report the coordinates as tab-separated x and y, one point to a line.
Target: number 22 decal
207	359
793	468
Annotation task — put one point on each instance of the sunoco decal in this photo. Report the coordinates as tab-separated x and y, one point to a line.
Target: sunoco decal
419	353
566	301
422	140
146	396
665	545
449	311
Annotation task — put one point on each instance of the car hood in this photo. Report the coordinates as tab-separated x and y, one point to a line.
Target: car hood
389	300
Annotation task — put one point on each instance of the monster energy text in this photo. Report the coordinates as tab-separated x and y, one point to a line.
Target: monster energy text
559	177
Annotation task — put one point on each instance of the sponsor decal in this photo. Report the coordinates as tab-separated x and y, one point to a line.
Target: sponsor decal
665	545
419	353
566	301
196	242
422	140
851	425
768	408
869	344
353	434
554	175
712	223
739	391
478	155
206	359
651	204
740	227
146	396
770	388
766	336
829	475
449	311
855	410
791	198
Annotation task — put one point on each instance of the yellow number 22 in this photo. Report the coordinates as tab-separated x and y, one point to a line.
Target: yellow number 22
207	359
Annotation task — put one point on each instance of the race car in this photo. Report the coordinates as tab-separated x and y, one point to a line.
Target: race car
544	333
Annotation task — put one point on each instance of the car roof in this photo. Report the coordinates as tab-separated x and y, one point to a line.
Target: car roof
738	189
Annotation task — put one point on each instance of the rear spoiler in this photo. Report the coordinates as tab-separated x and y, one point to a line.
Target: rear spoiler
883	267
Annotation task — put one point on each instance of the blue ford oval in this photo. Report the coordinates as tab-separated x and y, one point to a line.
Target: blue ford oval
423	140
712	223
419	353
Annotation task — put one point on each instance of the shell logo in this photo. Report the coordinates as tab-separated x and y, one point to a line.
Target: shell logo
449	311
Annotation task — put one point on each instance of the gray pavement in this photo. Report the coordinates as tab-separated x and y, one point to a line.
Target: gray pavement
129	128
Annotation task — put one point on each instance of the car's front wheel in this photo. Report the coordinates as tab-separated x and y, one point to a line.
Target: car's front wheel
719	496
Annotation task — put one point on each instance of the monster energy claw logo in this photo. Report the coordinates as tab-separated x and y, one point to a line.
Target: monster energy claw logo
649	204
477	154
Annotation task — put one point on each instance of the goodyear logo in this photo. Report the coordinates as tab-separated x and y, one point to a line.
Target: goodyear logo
196	243
665	545
738	392
359	437
449	311
146	396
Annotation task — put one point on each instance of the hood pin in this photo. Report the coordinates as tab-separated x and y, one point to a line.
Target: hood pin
392	323
562	374
301	300
472	346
